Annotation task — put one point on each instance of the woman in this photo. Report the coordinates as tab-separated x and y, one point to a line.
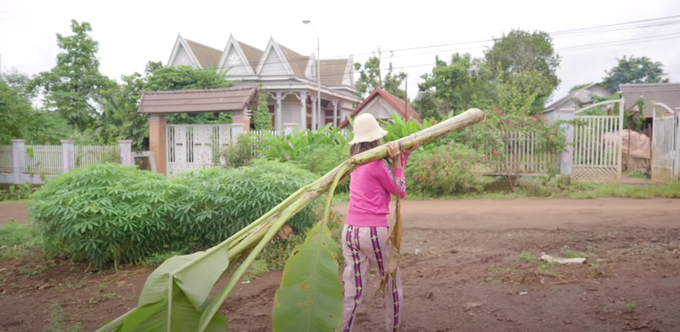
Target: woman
366	231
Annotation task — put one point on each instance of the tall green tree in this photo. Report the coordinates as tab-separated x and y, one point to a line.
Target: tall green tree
458	85
73	87
634	70
371	78
522	51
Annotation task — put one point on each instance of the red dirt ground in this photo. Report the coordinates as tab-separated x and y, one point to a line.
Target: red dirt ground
465	277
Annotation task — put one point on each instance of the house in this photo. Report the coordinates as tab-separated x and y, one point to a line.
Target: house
576	99
383	105
289	78
666	93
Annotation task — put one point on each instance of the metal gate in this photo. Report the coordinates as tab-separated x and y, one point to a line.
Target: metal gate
194	147
664	144
597	143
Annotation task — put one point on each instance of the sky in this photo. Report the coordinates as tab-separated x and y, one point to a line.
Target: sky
131	33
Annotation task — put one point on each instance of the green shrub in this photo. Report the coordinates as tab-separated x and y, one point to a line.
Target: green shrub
444	170
324	158
220	202
112	213
106	213
239	154
13	192
290	146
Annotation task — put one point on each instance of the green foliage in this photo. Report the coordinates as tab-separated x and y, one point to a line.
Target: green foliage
189	78
310	296
16	193
57	323
241	153
634	70
321	159
17	240
190	289
111	213
460	85
545	185
288	147
579	87
371	78
262	118
400	128
73	87
522	51
445	170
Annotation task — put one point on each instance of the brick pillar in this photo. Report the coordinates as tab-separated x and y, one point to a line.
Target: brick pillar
243	120
157	141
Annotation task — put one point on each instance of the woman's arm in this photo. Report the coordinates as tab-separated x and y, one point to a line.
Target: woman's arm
387	180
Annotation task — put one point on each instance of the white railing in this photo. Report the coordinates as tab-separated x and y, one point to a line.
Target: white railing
6	165
99	154
43	159
516	153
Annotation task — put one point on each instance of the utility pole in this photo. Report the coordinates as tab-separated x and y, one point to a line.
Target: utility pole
318	78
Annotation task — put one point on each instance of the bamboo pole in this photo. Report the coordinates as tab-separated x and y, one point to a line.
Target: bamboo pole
277	217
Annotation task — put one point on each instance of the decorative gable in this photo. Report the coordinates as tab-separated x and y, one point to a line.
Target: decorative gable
234	60
181	54
273	61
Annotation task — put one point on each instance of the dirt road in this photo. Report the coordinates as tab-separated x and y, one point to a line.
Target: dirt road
467	275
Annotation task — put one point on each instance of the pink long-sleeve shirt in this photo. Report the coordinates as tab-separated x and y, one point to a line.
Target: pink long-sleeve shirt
370	187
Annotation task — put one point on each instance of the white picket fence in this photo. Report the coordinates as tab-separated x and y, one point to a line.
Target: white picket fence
49	159
518	153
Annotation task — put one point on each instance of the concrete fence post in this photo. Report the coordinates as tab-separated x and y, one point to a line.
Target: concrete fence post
69	155
676	166
126	153
567	157
18	150
288	127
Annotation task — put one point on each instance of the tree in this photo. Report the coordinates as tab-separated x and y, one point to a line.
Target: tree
459	85
262	118
427	105
634	70
370	78
73	87
188	78
17	81
522	51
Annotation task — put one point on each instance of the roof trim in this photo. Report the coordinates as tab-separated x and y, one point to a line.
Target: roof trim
387	96
552	105
273	45
232	42
182	42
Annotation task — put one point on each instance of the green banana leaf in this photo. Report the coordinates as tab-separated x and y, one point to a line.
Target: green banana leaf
190	290
310	296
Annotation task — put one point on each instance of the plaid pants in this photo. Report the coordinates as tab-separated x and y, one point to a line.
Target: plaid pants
362	248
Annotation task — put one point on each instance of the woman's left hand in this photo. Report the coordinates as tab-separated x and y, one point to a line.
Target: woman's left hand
413	148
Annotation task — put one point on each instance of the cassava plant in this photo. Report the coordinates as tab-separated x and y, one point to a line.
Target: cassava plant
175	296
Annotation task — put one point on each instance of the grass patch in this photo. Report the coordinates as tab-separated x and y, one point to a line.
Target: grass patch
17	240
57	323
629	307
569	253
628	191
526	257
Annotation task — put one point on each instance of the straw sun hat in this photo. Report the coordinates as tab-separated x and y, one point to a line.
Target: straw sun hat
366	129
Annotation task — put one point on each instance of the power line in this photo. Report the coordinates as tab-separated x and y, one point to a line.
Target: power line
563	33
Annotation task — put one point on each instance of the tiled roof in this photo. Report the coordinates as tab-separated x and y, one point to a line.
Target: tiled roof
667	93
207	56
332	71
253	54
400	105
197	101
297	62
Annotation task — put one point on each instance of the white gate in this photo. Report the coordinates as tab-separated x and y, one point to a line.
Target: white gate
597	144
664	144
194	147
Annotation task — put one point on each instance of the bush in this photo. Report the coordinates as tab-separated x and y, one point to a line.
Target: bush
324	158
445	170
239	154
13	192
112	213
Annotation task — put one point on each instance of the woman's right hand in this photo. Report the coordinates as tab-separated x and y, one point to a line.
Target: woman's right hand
394	153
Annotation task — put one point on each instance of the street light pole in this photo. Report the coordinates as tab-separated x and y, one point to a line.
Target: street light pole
318	78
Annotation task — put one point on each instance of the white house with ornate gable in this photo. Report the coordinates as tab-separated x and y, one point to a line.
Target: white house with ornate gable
288	77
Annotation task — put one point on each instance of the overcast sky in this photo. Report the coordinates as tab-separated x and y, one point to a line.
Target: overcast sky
131	33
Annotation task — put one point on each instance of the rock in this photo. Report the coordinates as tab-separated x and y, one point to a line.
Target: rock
523	293
45	286
551	259
453	251
430	295
472	305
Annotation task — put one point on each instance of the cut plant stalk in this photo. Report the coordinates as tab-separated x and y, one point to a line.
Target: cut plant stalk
258	234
